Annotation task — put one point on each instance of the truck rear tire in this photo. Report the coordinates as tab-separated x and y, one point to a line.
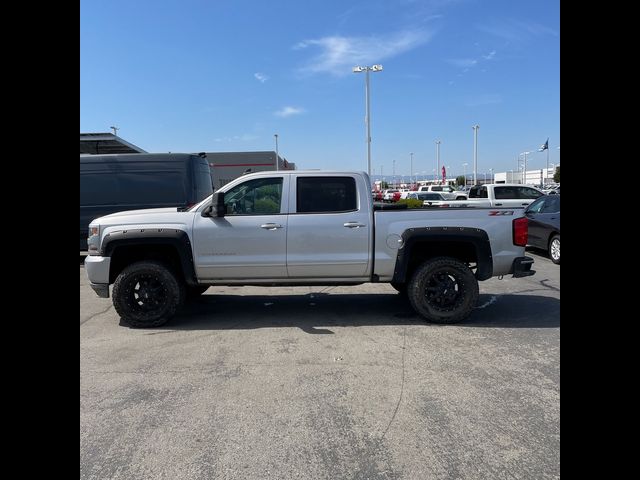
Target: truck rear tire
147	294
443	290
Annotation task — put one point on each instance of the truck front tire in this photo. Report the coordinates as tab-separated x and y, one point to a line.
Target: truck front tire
443	290
147	294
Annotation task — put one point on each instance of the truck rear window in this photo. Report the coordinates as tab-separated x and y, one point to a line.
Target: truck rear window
326	194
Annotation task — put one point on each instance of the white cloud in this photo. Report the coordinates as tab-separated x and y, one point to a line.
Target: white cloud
516	31
261	77
287	111
491	54
462	62
339	54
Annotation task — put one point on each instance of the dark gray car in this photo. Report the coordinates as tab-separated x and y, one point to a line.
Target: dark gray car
544	225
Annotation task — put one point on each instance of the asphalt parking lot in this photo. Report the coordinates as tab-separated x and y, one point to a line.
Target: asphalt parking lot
325	383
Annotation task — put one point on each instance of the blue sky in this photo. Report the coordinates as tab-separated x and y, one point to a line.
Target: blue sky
226	75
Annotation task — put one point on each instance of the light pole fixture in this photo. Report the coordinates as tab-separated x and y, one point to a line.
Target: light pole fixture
115	130
411	168
465	173
438	142
277	159
475	151
366	70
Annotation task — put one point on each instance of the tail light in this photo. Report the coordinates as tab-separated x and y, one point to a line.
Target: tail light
521	231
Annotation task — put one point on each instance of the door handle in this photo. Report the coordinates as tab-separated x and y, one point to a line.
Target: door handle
354	225
270	226
525	204
498	204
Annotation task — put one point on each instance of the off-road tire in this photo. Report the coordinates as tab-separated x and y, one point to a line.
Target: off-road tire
443	290
147	294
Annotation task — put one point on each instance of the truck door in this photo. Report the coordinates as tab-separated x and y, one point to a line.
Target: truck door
250	240
329	228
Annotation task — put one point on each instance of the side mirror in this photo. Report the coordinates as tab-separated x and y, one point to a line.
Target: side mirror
217	207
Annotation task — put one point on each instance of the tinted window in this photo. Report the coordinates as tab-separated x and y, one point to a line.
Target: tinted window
436	189
326	194
505	193
255	197
536	206
551	205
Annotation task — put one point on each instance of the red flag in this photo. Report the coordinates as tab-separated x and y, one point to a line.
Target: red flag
444	174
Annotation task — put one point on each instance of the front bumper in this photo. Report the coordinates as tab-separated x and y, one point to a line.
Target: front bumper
97	269
522	267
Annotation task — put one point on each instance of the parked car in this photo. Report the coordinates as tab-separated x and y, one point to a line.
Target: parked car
503	195
447	191
544	225
117	182
390	195
434	199
552	190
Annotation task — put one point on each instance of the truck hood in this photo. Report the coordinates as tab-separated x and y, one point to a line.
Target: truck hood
155	216
144	211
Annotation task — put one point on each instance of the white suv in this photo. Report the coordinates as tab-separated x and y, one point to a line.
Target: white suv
447	191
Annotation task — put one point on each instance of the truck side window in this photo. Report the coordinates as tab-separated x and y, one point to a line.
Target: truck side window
505	193
326	194
261	196
527	193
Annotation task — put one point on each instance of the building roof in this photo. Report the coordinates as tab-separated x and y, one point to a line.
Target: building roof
100	143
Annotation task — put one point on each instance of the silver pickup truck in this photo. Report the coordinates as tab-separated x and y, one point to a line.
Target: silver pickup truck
302	228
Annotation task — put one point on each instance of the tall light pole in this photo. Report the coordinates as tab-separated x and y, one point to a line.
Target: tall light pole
524	168
393	172
491	175
475	151
115	130
366	69
465	173
438	156
277	160
449	172
411	168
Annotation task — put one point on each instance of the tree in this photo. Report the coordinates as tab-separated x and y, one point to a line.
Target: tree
384	185
460	180
556	175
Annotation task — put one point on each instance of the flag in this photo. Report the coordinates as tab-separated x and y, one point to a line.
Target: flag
444	174
544	147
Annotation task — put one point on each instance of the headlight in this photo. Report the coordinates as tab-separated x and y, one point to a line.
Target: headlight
93	241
